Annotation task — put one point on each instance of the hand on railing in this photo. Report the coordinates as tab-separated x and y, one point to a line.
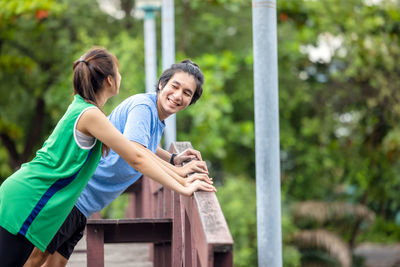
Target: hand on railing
194	166
200	185
187	155
198	176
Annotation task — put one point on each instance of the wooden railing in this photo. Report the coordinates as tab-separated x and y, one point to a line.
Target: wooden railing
184	231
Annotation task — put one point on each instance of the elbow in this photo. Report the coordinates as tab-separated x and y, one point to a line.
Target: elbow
136	160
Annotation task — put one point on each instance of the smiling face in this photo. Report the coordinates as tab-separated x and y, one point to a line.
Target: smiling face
176	94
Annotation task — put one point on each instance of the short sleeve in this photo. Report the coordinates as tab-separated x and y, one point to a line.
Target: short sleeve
138	125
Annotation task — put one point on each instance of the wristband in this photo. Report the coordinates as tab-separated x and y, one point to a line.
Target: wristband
173	155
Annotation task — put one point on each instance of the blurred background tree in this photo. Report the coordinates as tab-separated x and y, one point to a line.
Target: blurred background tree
338	93
39	40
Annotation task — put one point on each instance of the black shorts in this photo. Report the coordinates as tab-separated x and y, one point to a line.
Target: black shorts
70	232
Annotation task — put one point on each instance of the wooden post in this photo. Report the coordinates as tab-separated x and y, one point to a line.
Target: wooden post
177	243
162	254
95	246
168	202
130	212
188	243
223	259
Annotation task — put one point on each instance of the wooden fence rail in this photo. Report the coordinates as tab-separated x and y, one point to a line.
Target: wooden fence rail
184	231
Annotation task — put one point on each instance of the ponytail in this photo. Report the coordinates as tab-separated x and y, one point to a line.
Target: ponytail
90	71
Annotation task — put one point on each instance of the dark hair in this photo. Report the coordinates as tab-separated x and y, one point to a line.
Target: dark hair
188	67
90	70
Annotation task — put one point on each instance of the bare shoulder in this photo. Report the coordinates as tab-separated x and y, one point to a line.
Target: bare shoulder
93	113
90	118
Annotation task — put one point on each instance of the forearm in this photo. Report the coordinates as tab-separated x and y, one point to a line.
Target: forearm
163	154
151	166
168	168
173	171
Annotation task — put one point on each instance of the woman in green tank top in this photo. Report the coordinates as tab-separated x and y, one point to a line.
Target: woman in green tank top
36	199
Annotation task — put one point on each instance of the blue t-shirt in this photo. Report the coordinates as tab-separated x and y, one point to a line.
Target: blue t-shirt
137	119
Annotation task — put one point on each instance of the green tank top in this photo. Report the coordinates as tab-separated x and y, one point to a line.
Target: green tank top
36	199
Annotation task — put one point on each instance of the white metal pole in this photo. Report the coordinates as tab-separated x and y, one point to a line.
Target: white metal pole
168	58
150	48
266	109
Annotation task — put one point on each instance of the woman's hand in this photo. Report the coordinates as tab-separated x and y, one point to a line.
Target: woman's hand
200	185
198	176
187	155
195	166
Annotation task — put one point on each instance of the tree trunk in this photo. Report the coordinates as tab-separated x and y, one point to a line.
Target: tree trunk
35	129
127	6
183	38
14	157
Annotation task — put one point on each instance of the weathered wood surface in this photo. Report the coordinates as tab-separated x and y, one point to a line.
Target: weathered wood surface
206	240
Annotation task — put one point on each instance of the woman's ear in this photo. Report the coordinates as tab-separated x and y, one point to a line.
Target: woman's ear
110	80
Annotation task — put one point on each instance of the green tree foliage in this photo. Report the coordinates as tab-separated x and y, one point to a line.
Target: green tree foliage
39	40
339	108
214	125
20	20
222	125
342	128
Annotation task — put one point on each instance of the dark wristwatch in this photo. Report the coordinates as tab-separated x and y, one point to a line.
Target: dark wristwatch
173	155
